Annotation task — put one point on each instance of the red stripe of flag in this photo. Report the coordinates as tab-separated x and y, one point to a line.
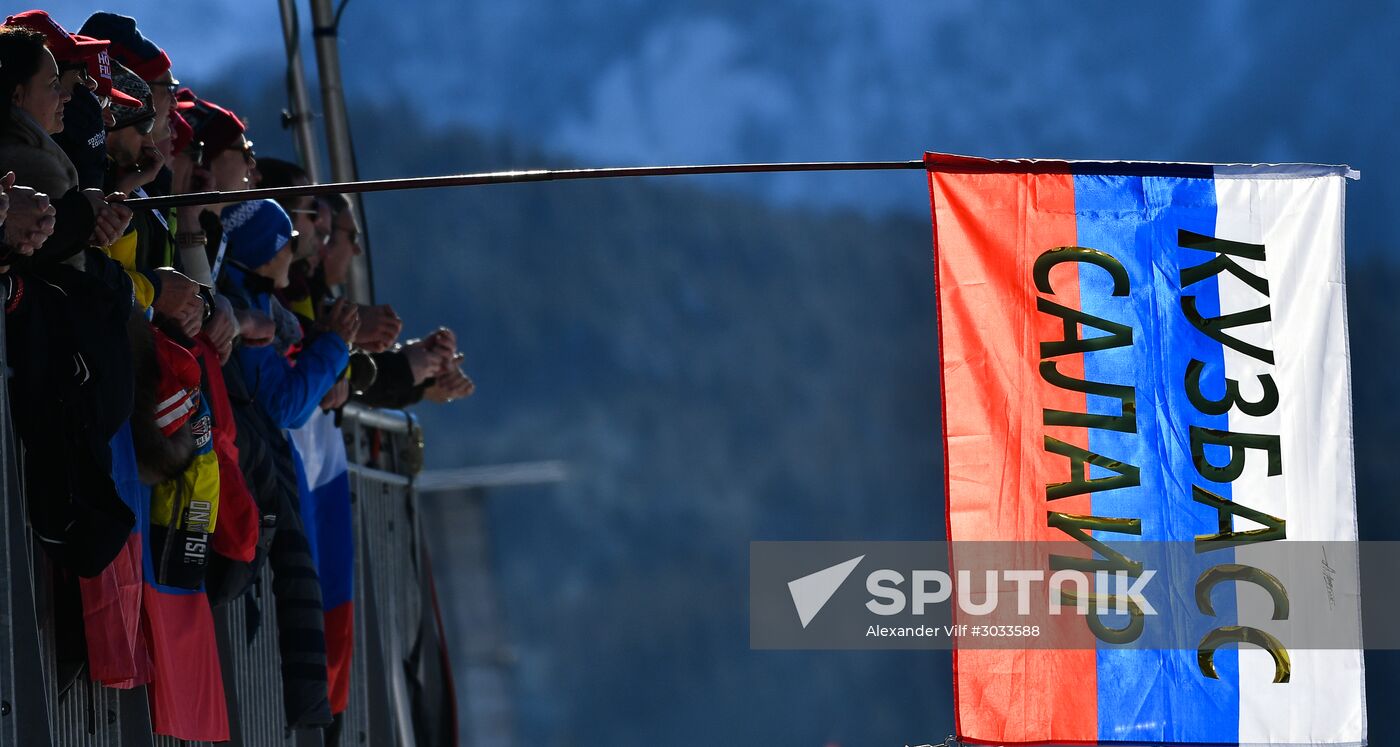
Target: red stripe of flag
989	228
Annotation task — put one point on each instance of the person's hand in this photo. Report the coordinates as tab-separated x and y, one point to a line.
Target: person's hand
186	178
425	359
222	328
337	395
179	301
444	339
443	344
30	219
342	319
115	217
148	165
255	328
181	174
379	327
449	386
110	216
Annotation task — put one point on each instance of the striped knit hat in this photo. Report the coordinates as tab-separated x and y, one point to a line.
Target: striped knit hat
177	397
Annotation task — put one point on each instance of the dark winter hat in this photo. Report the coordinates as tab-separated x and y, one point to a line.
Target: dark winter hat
257	230
129	46
216	127
127	82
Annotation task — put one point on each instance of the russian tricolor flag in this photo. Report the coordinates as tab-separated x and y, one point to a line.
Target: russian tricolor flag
326	514
1182	327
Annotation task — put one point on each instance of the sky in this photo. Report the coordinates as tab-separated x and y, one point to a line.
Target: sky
618	82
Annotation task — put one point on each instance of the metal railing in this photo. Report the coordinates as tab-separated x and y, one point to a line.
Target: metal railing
385	449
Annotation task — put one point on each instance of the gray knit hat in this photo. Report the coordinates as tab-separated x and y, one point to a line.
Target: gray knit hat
130	84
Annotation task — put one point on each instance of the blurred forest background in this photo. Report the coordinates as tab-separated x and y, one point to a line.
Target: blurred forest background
715	370
754	358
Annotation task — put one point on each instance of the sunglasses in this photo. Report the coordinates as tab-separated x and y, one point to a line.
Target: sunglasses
79	67
142	127
171	85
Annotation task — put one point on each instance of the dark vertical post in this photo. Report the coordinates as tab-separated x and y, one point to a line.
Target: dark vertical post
338	141
461	549
299	114
24	706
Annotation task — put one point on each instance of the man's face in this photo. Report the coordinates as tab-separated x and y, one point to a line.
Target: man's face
162	98
303	213
124	145
341	249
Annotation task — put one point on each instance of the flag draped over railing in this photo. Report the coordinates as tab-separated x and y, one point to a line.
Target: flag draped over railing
1149	352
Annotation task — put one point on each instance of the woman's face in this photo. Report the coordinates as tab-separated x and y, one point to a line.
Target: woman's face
232	167
44	95
73	76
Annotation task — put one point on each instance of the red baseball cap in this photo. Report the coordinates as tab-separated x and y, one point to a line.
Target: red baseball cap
100	68
65	47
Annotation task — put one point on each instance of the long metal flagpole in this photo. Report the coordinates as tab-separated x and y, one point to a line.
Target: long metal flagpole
512	177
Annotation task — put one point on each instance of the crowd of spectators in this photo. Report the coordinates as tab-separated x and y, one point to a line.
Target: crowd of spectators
177	375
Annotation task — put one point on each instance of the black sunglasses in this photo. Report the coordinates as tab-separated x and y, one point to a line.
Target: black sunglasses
142	127
81	68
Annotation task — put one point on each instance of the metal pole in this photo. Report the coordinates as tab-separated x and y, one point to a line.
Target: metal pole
338	143
298	116
515	177
482	662
24	682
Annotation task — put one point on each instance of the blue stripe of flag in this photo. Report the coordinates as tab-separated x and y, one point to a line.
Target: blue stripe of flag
1155	695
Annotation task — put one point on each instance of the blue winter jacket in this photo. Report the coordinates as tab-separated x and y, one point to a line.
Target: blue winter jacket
289	393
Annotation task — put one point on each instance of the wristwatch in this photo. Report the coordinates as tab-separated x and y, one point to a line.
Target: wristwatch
206	295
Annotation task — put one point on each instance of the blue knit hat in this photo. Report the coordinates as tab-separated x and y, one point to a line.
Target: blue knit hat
256	231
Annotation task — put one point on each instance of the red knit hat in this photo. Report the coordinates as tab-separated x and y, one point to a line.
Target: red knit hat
214	125
177	397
